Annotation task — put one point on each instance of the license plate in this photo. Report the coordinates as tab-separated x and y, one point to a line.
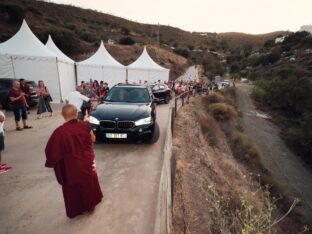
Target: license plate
116	135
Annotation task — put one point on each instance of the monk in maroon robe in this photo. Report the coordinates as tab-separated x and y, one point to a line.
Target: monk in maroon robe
69	151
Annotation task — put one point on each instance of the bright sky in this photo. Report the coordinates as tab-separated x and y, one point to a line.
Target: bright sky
249	16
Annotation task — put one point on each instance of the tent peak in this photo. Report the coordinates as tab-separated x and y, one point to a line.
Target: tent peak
52	47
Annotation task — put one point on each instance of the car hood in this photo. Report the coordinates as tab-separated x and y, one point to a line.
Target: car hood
124	112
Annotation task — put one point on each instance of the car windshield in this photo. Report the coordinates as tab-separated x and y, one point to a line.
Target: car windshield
32	84
128	94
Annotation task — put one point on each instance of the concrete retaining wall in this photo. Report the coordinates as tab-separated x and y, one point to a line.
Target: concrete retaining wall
163	223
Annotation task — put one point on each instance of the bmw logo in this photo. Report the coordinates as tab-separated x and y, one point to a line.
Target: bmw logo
116	119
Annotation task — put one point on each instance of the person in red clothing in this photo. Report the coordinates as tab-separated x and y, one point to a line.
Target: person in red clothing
69	151
19	104
26	90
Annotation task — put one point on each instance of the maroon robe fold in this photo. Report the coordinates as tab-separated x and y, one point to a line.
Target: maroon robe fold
69	151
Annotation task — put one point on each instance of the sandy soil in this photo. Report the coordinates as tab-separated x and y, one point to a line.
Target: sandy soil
31	201
287	168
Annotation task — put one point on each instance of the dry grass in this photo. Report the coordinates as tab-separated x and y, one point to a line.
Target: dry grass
213	98
222	112
245	150
210	129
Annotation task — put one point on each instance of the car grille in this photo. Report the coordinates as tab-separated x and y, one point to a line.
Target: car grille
120	125
108	124
125	124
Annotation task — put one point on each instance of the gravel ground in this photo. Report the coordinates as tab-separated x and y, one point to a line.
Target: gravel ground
287	168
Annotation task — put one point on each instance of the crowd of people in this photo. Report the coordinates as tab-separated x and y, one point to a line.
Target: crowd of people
86	96
179	87
20	95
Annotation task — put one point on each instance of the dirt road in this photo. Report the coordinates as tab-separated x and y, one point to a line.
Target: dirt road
31	201
286	167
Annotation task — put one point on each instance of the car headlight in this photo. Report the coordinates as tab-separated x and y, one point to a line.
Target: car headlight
144	121
94	120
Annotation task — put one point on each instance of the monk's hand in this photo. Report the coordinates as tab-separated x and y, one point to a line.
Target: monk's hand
86	118
2	118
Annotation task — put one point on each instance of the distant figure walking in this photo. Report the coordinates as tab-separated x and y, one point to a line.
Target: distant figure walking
69	151
44	100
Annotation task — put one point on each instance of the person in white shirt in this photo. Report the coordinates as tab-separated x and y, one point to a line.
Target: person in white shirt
3	167
76	98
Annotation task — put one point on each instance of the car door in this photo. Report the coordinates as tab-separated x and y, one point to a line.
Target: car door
152	104
162	91
156	92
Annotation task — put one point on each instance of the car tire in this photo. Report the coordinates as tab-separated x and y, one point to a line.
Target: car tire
167	99
153	136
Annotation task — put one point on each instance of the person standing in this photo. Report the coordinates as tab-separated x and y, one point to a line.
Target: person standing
96	88
69	152
26	90
76	98
19	104
44	100
105	90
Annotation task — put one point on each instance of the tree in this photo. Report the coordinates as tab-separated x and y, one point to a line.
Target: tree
126	41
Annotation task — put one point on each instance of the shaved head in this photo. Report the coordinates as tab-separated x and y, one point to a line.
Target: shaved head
16	84
69	112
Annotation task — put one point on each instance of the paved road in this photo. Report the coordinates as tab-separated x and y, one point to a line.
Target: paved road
191	74
286	167
31	200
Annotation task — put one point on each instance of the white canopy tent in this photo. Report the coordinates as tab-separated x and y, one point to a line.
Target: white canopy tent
24	56
101	67
66	69
145	69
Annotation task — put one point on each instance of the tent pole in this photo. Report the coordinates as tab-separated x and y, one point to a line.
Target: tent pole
13	67
103	78
126	75
76	76
59	80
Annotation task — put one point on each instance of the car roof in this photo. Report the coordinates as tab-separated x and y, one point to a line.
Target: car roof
130	85
7	79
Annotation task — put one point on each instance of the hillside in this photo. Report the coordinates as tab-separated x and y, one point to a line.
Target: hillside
282	74
78	32
218	174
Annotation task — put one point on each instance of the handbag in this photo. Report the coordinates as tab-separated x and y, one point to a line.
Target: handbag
48	98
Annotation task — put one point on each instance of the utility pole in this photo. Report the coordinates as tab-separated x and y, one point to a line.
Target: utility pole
158	44
158	34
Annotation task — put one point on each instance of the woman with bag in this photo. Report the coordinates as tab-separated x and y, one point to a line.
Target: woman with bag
44	100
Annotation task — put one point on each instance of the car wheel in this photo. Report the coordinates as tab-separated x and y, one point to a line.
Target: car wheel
167	99
153	136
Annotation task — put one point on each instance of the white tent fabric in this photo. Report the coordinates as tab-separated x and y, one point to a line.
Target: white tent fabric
66	68
145	69
101	67
24	56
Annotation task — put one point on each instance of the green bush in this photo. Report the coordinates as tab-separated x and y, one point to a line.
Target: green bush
183	52
66	40
258	94
12	13
291	96
126	41
300	137
222	112
89	37
244	149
